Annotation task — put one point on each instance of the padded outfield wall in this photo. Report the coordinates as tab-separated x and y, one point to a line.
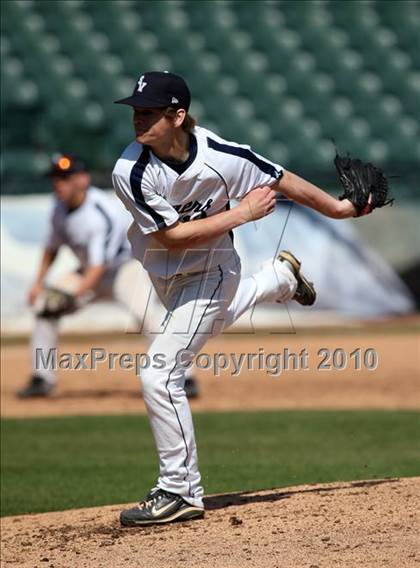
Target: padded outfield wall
353	280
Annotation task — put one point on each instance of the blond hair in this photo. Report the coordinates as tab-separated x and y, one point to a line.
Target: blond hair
189	122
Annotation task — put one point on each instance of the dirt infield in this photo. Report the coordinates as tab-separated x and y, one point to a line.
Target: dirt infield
395	384
372	523
364	523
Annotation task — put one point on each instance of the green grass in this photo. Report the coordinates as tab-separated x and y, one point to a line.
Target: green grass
59	463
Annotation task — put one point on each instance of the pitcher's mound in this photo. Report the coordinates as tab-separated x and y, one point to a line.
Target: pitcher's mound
352	524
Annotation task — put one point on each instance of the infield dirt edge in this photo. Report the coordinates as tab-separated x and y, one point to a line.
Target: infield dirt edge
361	523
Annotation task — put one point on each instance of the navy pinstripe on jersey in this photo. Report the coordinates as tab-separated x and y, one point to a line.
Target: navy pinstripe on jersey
247	154
136	177
108	223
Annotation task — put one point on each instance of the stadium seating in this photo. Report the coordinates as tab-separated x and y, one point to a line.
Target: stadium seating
285	76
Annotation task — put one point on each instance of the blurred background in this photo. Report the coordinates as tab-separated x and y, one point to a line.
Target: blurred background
286	77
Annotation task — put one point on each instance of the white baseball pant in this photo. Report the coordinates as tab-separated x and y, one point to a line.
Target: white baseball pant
199	306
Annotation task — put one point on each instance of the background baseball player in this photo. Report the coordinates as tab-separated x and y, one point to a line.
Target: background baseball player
94	227
172	174
86	220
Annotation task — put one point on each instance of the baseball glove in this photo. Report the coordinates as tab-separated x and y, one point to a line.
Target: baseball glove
365	185
55	303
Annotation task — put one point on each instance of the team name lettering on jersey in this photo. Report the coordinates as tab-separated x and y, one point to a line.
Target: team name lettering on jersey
193	210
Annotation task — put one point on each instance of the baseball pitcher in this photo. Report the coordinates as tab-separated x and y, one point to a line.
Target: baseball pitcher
177	180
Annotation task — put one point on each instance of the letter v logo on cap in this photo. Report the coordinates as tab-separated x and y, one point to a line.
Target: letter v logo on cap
141	83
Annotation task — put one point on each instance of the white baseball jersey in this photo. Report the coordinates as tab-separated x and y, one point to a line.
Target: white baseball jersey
96	231
158	197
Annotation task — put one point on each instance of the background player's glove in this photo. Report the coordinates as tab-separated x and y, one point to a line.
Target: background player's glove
54	303
365	185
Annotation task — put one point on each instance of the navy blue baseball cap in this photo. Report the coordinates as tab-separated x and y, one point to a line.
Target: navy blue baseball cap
159	89
63	165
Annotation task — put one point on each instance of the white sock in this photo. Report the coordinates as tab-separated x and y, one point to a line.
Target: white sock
288	265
